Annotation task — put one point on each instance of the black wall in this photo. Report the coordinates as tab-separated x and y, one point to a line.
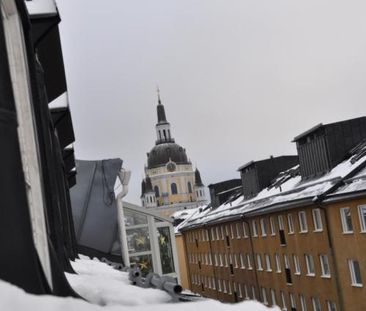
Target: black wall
215	189
326	146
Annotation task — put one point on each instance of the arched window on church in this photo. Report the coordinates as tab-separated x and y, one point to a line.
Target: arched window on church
173	187
164	132
156	189
189	187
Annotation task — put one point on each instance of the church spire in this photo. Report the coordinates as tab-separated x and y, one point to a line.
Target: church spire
160	110
162	127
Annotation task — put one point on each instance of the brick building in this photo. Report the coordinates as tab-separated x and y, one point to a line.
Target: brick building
300	242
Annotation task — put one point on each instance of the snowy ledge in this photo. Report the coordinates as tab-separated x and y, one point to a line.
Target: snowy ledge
109	290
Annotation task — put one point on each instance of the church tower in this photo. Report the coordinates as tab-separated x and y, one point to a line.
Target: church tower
170	182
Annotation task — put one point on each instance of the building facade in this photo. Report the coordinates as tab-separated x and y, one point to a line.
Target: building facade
170	182
299	245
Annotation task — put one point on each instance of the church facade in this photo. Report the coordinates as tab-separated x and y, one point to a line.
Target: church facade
170	182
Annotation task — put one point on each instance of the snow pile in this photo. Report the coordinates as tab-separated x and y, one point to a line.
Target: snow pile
103	285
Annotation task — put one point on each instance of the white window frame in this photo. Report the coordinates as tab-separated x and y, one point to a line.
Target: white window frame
303	303
273	297
246	292
253	292
324	262
316	304
245	233
232	231
272	226
278	263
352	270
254	228
263	227
264	296
290	224
259	262
296	264
310	267
292	301
345	228
317	220
250	267
331	306
242	261
237	230
283	300
268	262
362	218
303	222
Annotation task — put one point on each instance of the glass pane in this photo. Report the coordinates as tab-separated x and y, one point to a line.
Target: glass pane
133	218
166	253
138	240
143	262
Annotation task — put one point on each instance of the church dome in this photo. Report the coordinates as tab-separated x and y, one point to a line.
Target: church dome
161	154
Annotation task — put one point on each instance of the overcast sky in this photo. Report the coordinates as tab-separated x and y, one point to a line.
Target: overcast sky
239	79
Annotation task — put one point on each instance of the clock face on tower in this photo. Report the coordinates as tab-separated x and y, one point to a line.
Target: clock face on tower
171	166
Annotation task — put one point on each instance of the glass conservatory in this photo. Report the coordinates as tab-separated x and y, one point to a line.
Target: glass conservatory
150	241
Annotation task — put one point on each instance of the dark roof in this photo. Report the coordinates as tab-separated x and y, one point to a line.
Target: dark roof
161	113
197	177
161	154
316	127
261	161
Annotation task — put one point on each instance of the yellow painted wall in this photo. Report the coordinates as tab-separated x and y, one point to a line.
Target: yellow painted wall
183	271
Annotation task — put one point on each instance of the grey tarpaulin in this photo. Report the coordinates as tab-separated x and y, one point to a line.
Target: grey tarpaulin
94	205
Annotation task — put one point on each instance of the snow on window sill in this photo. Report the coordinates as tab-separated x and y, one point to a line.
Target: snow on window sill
318	230
357	285
310	274
326	276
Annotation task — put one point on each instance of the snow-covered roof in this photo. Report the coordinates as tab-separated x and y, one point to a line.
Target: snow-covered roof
107	289
41	7
288	189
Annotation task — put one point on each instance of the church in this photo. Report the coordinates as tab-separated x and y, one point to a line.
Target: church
170	183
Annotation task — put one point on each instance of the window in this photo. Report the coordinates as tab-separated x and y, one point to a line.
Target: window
222	232
156	189
290	223
232	229
235	260
272	226
254	228
253	292
296	264
264	296
346	220
273	297
362	216
213	234
324	264
224	285
309	265
217	233
213	283
317	220
245	233
278	263
280	223
246	291
354	269
281	230
263	227
302	221
283	301
242	263
225	260
219	285
287	270
259	263
220	257
238	231
292	301
173	187
302	303
268	262
229	286
240	291
316	304
249	262
331	306
189	187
